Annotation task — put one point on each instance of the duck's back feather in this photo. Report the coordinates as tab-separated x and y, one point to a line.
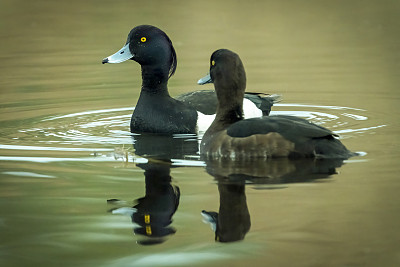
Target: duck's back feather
290	127
309	140
206	101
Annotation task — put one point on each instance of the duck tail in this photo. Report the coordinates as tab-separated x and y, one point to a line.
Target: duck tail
263	101
332	148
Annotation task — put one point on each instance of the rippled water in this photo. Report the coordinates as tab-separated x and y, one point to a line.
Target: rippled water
110	128
78	189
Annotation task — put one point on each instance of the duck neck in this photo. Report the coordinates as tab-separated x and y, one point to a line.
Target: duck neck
226	116
230	107
155	80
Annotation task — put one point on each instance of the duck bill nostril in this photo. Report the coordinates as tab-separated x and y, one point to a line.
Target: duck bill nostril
122	55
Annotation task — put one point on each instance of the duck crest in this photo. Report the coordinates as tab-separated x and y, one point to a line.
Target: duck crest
174	62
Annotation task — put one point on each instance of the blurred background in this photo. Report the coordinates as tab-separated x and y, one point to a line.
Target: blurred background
51	51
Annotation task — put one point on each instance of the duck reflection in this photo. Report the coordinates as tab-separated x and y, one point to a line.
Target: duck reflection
232	222
152	214
156	208
165	148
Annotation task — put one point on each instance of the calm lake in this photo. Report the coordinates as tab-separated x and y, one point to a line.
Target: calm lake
78	189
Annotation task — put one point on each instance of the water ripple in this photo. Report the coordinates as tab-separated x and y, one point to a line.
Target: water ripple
110	128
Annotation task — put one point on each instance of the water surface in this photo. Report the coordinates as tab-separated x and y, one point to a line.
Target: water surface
72	176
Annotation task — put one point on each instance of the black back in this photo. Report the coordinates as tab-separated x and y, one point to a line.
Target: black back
206	101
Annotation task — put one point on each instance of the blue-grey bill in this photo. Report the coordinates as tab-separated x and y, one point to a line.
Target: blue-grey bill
205	79
122	55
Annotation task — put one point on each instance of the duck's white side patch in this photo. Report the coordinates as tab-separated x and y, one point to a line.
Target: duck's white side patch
203	122
250	110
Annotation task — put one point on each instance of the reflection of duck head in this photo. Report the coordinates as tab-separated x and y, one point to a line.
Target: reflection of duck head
152	214
154	211
232	222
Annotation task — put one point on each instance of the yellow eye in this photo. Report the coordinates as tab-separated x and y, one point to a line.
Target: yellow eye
143	39
212	63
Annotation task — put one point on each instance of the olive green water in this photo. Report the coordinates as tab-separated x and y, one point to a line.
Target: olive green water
65	147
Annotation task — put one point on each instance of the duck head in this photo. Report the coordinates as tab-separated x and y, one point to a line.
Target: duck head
150	47
229	78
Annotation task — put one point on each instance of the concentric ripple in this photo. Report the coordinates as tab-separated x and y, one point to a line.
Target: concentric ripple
345	121
105	126
111	126
105	131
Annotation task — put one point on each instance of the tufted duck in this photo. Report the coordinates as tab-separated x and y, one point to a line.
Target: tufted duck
156	111
232	137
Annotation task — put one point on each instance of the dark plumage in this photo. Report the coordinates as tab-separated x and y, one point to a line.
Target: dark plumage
230	136
206	101
156	111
